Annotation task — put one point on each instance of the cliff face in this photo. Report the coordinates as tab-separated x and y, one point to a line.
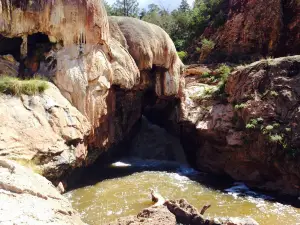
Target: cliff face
256	28
102	69
253	134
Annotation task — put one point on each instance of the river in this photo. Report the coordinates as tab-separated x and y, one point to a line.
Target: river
122	188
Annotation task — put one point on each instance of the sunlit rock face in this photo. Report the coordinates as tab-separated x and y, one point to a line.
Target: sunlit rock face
45	130
28	198
150	45
102	71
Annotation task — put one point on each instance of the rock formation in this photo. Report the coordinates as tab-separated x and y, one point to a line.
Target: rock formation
94	64
255	29
28	198
44	129
250	131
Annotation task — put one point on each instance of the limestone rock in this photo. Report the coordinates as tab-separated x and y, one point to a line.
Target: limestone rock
94	67
31	199
45	129
149	45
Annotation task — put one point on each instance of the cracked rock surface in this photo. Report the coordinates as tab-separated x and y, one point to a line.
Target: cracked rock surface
45	130
31	199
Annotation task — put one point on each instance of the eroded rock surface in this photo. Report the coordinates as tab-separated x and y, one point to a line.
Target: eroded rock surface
252	136
101	71
44	129
253	29
28	198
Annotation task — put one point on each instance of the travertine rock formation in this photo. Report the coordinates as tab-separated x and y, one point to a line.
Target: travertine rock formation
28	198
44	129
96	68
150	45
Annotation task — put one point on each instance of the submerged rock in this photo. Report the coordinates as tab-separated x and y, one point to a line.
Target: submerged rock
28	198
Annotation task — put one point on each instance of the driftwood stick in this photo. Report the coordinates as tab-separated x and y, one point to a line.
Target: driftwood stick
204	208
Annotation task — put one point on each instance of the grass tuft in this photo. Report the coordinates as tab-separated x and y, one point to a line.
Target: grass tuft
15	86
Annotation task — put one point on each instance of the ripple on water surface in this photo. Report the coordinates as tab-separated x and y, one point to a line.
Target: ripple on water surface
113	198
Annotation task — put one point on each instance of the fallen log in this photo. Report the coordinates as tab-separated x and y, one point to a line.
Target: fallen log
185	213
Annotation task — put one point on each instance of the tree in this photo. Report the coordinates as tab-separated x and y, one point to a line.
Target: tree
126	8
184	6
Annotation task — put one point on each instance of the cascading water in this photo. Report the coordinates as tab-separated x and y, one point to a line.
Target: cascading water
122	188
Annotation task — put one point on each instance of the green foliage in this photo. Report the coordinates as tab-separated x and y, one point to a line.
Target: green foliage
275	138
182	55
253	124
274	93
15	86
269	127
224	72
240	106
207	45
123	8
184	6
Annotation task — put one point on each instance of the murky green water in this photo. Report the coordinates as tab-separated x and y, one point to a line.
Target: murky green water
112	198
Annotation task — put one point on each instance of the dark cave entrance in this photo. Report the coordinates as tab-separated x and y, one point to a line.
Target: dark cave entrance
11	46
38	45
30	52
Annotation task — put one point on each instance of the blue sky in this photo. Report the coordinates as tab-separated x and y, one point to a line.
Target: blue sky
166	4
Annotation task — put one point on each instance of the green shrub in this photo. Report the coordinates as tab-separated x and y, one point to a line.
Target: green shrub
224	72
207	45
252	124
182	55
15	86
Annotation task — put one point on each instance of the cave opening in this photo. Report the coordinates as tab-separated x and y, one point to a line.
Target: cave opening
38	45
11	46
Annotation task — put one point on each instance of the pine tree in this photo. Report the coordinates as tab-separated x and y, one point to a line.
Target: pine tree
184	6
126	8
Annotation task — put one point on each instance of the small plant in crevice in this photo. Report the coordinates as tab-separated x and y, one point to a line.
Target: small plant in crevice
253	123
274	93
240	106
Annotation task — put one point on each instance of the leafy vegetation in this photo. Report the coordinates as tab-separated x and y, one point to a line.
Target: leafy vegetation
15	86
182	24
182	55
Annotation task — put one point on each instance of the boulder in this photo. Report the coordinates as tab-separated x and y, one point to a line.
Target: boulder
45	130
31	199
